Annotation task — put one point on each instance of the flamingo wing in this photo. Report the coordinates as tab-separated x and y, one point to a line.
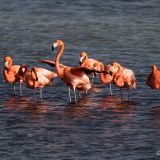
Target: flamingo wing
49	62
81	70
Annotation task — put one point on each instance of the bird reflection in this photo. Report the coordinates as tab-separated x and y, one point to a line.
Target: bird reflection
155	115
96	89
115	103
156	110
124	110
80	108
27	105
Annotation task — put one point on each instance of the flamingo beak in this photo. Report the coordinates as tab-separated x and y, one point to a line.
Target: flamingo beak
81	60
111	73
52	48
6	63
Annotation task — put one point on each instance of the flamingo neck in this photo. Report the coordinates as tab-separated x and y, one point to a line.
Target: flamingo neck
104	78
58	68
9	76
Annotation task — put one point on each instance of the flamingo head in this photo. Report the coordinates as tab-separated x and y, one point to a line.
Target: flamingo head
113	68
8	62
57	43
108	69
154	68
99	66
83	56
22	71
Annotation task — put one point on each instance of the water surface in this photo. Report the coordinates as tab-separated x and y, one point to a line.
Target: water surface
98	126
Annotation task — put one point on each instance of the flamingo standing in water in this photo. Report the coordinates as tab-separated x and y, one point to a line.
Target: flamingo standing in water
74	77
39	78
104	77
153	80
87	62
122	77
12	72
22	72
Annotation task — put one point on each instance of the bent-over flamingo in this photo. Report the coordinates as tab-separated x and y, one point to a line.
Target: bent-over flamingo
122	77
104	77
39	78
87	62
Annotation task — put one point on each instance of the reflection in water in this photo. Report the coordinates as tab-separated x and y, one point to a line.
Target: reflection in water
155	115
80	108
28	105
96	88
124	110
115	103
156	110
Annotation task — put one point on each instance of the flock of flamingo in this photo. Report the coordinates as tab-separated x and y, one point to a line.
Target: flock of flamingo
76	78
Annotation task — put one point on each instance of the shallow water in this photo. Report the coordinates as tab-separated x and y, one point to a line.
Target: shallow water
98	126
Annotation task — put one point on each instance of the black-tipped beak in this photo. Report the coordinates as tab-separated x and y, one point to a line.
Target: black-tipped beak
52	48
36	78
80	63
111	73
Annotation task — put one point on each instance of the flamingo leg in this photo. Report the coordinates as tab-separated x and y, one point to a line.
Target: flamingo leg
20	88
128	94
79	94
34	91
41	93
110	89
14	88
92	78
69	93
74	90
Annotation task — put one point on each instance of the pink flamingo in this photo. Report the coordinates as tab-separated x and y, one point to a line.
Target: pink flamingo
39	78
88	62
12	73
122	77
74	77
153	80
105	78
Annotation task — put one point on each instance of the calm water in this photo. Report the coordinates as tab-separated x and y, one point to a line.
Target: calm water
98	126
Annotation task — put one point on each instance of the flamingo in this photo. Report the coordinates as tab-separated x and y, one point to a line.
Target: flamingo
22	72
104	77
39	78
87	62
122	77
153	80
11	72
74	77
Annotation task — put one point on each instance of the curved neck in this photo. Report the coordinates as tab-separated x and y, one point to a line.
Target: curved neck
9	76
8	64
105	78
34	74
58	68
